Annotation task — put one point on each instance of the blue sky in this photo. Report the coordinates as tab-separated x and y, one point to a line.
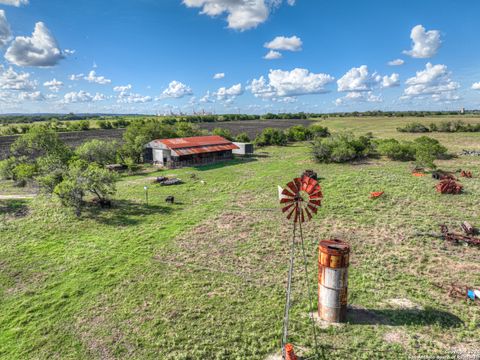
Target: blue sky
151	56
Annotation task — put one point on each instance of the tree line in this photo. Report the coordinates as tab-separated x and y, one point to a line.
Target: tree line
443	126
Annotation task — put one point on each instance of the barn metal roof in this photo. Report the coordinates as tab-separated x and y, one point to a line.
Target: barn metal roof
198	144
205	149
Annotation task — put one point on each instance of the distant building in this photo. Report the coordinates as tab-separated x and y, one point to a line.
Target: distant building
191	151
462	111
243	149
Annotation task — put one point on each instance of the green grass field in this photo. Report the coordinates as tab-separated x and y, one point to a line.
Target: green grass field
205	278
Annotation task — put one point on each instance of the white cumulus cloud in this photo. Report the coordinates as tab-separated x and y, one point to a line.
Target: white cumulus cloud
218	76
53	85
434	80
76	77
396	62
16	3
93	78
33	96
425	43
476	86
230	93
82	97
391	81
122	88
358	79
207	98
132	98
5	31
177	90
241	14
290	83
272	55
11	80
41	49
293	43
127	97
359	96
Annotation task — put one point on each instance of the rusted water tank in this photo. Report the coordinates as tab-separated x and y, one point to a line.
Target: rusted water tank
333	260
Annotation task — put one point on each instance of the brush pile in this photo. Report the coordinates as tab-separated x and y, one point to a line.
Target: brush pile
471	152
449	186
443	175
165	181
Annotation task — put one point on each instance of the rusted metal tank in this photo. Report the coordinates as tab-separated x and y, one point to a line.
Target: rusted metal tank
333	261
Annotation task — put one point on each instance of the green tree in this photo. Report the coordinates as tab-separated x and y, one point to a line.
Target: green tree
40	141
100	182
395	150
101	152
270	136
82	178
139	133
6	168
319	130
225	133
51	171
186	129
342	147
24	172
299	133
243	138
71	194
427	151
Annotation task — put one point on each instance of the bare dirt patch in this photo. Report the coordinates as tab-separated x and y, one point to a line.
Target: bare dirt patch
254	127
403	303
396	337
229	243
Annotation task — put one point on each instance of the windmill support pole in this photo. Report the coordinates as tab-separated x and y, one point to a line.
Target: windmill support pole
289	290
310	313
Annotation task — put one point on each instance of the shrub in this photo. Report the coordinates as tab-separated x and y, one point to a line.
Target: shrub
6	168
414	128
319	131
225	133
299	133
104	124
424	150
341	148
395	150
24	172
427	150
243	137
270	136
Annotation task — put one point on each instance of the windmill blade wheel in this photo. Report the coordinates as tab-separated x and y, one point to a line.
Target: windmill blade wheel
301	199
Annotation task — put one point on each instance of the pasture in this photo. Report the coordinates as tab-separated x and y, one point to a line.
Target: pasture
205	277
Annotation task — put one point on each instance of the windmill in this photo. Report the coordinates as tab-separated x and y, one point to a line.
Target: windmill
300	200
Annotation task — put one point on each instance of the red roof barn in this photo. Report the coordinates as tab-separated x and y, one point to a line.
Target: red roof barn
189	151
